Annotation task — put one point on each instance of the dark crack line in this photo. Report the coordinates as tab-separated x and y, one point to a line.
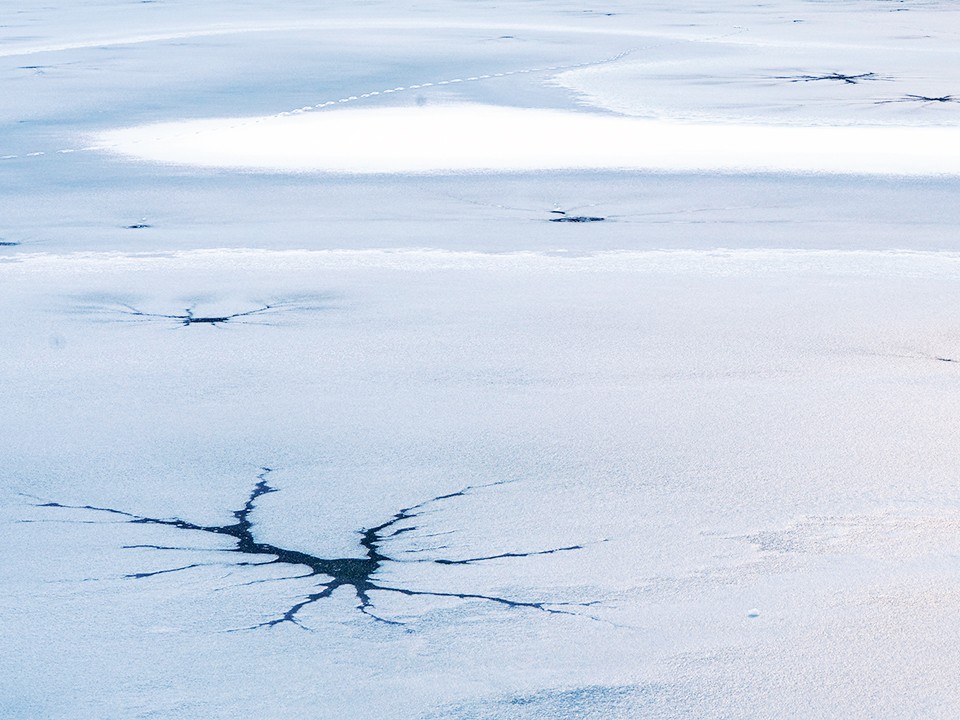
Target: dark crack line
268	580
544	606
429	549
356	573
138	576
470	561
437	534
578	219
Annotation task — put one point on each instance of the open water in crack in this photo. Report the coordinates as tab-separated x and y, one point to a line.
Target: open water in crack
356	573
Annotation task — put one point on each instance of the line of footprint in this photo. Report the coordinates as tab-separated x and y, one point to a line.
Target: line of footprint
357	98
388	91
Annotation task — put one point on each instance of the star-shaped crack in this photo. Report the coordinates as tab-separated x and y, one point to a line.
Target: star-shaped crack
358	573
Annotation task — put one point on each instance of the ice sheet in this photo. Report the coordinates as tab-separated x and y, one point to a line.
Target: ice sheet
696	459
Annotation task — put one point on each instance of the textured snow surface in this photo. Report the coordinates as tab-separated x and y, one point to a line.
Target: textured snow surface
694	458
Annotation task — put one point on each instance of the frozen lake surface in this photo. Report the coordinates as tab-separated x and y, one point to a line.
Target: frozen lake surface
379	362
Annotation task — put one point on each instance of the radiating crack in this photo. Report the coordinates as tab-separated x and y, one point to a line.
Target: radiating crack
925	99
263	314
188	318
358	574
837	77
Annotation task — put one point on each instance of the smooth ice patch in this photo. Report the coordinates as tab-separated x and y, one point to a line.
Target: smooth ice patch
489	138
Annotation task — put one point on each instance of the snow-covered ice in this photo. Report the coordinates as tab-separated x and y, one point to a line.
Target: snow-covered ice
283	282
492	138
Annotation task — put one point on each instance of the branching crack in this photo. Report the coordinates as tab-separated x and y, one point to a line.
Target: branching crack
925	99
358	574
264	314
188	318
835	76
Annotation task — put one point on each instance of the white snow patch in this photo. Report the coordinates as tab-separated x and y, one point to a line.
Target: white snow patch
472	137
718	262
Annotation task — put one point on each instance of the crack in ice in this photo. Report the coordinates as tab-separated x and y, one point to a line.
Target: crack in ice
835	76
359	574
190	319
924	99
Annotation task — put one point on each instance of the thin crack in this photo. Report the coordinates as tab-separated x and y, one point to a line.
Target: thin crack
138	576
356	573
175	547
543	606
470	561
429	549
269	580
